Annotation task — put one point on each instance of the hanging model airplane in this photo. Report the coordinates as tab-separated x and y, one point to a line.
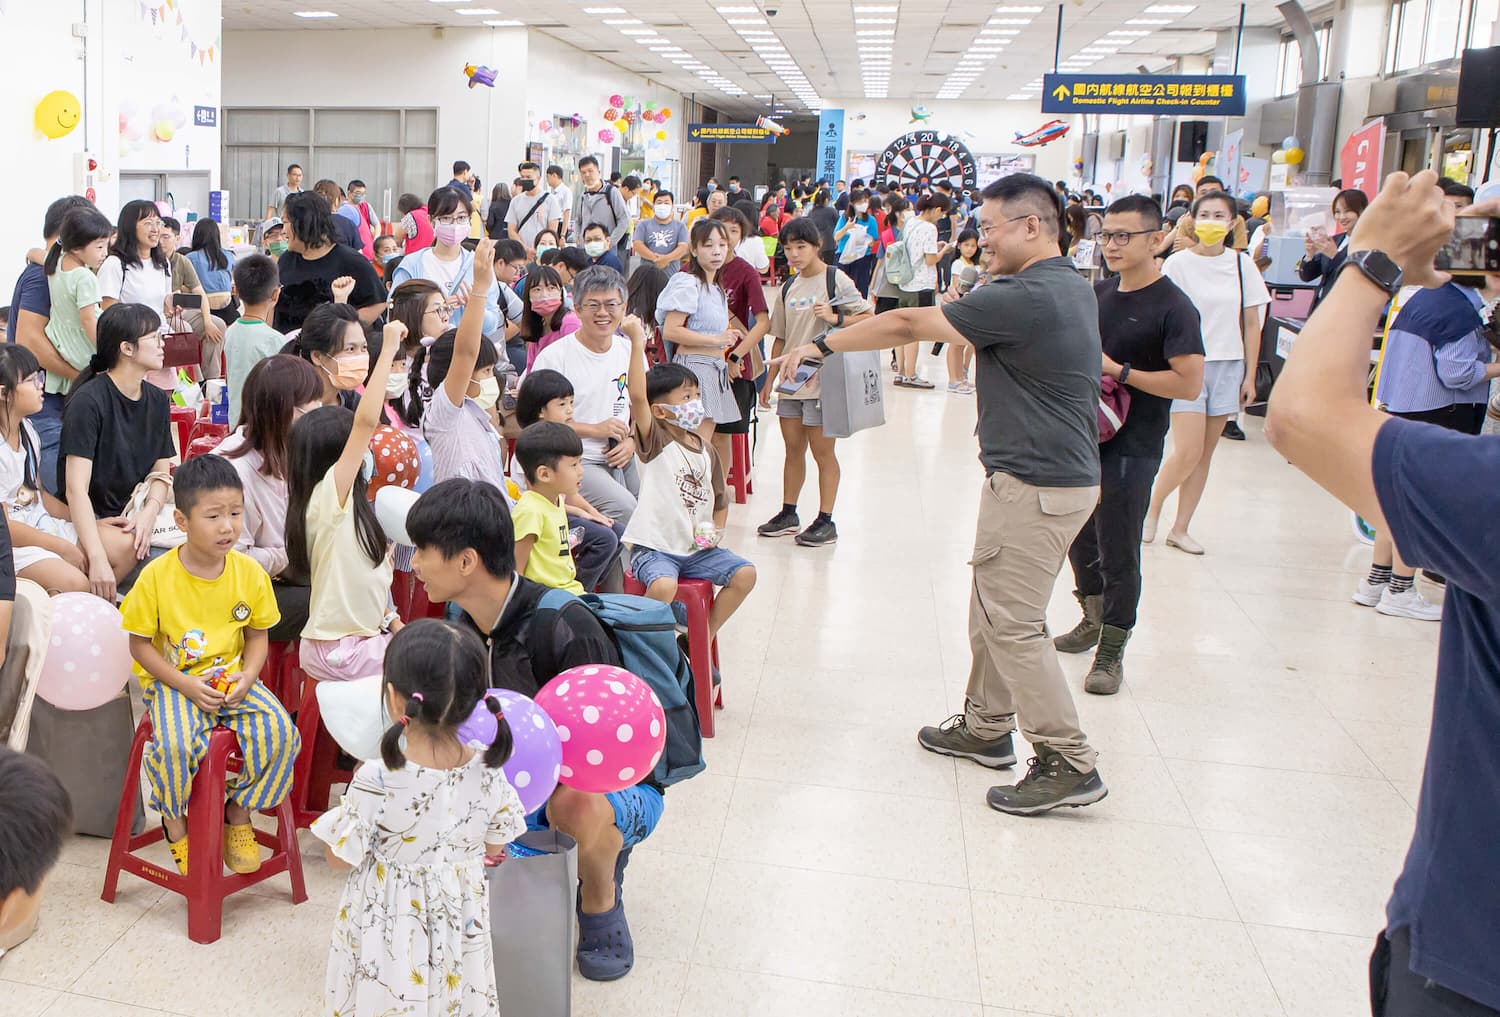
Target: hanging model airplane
920	113
480	75
771	125
1050	131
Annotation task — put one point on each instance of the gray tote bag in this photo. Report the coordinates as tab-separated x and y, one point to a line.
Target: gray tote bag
853	393
532	925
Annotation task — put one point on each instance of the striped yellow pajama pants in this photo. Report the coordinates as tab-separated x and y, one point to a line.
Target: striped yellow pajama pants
179	740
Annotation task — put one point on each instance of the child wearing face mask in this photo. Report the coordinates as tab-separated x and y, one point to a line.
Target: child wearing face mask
545	319
680	513
454	392
333	539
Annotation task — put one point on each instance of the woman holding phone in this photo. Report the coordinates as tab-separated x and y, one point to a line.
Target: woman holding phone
1324	254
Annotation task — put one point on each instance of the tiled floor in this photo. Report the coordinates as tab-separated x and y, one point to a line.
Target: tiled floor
1263	760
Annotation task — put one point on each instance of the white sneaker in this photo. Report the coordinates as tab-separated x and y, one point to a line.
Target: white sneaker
1367	594
1410	604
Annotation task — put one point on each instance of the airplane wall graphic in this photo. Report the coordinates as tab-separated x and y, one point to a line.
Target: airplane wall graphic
1050	131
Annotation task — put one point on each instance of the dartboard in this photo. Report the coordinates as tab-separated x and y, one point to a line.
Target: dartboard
922	158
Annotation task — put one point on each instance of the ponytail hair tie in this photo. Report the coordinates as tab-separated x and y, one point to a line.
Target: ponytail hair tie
415	695
404	721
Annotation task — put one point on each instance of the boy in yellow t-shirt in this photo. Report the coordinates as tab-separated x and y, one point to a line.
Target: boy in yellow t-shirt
551	454
197	618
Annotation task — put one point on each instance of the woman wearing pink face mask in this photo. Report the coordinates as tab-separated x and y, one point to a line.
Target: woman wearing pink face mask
333	341
447	263
544	321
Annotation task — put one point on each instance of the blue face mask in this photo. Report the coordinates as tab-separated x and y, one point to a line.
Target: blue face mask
367	465
390	257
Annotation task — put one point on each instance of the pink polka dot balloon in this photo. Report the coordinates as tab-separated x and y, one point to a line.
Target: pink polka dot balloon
87	661
610	723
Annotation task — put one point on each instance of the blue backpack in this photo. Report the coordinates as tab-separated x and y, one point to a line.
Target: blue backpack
645	633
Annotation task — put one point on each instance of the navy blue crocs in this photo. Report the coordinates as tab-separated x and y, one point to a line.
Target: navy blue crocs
605	950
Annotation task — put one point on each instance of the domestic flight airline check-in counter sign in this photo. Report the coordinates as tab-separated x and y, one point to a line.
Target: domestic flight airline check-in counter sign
752	134
1195	95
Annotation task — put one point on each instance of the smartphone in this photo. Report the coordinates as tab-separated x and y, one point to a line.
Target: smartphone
1475	246
805	371
188	300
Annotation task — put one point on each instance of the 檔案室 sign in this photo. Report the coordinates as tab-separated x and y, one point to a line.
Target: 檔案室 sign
743	133
1147	94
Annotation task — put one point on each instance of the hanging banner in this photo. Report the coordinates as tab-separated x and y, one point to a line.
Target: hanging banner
1359	160
1230	154
1218	95
753	134
830	144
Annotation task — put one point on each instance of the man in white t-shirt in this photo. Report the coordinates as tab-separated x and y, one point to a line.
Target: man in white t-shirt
562	200
596	359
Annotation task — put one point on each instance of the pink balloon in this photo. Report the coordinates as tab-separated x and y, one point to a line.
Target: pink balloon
606	136
88	658
617	100
610	723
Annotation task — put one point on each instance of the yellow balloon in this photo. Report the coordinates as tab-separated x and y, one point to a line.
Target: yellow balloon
58	113
1278	157
661	135
164	130
1294	156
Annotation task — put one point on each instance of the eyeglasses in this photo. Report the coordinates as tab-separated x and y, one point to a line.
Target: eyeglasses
452	220
1121	237
39	379
984	229
595	306
148	222
441	310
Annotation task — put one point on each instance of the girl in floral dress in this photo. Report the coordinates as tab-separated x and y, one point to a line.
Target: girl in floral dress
418	826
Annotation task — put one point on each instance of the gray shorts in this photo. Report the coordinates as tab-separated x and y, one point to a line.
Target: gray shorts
809	411
1221	390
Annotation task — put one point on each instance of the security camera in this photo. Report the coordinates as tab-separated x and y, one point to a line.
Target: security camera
771	12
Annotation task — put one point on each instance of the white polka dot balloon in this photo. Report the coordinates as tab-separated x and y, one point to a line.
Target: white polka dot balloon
88	656
611	726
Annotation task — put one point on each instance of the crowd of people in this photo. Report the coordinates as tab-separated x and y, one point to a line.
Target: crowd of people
575	366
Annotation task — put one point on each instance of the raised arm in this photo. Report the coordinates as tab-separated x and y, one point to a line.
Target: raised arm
640	406
470	329
367	414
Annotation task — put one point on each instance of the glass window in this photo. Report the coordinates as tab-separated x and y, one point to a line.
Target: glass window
1443	19
1289	62
1409	19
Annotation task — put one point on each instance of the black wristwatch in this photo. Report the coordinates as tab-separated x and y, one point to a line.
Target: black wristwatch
821	342
1124	373
1377	267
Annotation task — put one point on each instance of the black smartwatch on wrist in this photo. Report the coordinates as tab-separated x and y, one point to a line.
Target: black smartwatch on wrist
1377	267
821	342
1124	373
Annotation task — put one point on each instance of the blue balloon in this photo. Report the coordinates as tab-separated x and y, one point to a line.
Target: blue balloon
424	453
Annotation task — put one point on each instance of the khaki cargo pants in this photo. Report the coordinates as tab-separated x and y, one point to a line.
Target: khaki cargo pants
1019	548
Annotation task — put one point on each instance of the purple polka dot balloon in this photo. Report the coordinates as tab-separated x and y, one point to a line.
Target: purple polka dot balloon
611	725
536	761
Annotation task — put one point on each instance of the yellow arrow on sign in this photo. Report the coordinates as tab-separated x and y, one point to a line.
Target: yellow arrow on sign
1060	92
696	132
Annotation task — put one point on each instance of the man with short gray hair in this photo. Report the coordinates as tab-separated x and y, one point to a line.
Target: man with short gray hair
597	362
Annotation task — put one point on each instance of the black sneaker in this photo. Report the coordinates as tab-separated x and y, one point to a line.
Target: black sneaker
779	525
822	531
953	738
1050	782
1232	431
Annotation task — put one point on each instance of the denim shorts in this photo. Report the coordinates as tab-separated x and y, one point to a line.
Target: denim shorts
1221	390
809	411
716	564
637	811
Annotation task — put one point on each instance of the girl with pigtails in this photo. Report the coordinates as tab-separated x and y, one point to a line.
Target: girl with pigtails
417	827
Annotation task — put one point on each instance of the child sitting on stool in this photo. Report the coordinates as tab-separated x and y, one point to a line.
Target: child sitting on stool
551	453
674	533
197	619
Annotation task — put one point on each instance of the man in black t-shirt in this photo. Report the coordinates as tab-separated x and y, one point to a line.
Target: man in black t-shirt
465	554
1153	345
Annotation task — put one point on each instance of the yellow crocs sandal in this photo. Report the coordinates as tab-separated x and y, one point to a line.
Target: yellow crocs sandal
241	852
179	849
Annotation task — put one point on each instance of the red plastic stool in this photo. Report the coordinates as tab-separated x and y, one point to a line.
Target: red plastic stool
317	768
204	886
697	595
182	419
402	584
739	467
282	674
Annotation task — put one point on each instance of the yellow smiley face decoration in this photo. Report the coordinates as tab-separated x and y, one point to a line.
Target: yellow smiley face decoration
58	113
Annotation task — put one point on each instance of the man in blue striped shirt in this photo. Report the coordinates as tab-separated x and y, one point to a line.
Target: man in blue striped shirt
1436	369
